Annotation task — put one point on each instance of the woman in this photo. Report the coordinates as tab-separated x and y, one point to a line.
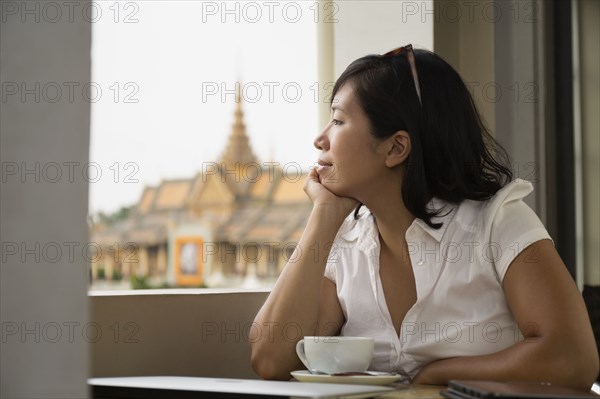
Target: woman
449	270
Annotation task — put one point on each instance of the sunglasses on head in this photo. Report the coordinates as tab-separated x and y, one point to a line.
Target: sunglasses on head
411	60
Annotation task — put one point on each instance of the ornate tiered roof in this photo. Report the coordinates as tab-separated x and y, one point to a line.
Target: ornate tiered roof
238	150
271	207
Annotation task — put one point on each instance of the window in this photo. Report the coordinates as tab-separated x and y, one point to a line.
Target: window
203	116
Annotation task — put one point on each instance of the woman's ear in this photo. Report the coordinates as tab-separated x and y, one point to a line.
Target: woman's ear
399	148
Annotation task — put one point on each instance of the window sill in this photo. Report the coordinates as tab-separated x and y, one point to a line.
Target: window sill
176	291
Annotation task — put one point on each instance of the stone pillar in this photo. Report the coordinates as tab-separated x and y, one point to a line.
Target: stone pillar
161	260
142	269
109	263
262	261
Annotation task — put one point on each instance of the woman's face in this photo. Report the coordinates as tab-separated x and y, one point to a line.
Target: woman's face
351	161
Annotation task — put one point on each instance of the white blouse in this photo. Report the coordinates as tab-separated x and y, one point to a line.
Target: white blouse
461	309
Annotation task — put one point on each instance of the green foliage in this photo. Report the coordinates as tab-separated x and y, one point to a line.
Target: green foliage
116	275
140	283
163	285
196	286
111	218
101	274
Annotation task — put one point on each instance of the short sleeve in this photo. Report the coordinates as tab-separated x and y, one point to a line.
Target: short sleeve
330	271
514	225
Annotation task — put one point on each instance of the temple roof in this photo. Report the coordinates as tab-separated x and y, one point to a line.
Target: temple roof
238	150
269	206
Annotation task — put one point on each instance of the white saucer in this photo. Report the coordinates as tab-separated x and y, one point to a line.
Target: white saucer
306	376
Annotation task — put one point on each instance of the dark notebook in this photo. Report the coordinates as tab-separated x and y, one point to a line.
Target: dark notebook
511	390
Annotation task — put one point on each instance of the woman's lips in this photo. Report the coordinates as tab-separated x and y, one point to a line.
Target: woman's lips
323	166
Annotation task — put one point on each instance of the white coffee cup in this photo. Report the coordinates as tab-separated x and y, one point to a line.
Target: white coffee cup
336	354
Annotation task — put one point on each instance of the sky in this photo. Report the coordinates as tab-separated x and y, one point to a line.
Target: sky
164	74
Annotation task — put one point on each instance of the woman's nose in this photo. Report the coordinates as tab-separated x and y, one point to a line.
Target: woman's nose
320	142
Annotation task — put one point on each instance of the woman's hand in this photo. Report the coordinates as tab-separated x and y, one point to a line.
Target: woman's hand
426	375
321	196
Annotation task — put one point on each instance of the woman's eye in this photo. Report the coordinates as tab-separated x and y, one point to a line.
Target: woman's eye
336	122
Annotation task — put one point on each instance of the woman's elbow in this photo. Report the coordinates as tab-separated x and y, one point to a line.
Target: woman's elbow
582	367
266	367
591	371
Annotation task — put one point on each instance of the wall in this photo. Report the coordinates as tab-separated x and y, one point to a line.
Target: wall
175	332
358	28
464	37
43	307
496	47
589	31
375	27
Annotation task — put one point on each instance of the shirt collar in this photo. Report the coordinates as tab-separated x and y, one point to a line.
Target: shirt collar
367	229
354	228
447	212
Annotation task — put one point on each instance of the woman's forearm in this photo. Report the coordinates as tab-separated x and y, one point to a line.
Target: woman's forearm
292	308
560	349
533	359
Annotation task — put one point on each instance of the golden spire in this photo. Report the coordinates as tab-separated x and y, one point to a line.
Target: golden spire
238	151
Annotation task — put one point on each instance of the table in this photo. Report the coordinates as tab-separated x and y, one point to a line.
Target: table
405	391
196	387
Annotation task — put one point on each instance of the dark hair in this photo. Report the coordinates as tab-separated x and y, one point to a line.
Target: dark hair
453	156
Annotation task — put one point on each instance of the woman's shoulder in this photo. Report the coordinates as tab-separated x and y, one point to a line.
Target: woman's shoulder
503	210
515	190
504	214
512	191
